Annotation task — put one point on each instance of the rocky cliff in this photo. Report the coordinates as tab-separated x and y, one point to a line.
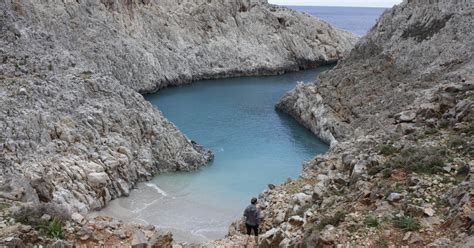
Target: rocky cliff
392	74
147	45
74	129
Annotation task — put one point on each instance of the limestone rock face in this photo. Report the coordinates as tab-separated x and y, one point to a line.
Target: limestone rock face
87	140
392	74
74	128
147	45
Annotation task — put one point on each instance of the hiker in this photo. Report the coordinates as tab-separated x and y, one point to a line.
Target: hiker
252	220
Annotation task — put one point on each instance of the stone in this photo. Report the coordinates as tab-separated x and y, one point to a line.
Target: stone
97	179
139	239
407	236
359	170
161	240
22	91
328	234
271	186
296	220
302	199
77	217
280	217
45	217
407	116
415	238
428	211
149	228
60	244
271	238
394	197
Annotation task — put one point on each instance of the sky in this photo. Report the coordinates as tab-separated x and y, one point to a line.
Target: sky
358	3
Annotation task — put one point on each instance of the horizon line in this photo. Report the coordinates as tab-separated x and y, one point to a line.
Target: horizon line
337	6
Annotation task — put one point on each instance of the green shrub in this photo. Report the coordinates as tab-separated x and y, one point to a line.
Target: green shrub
4	206
387	149
431	131
463	171
425	160
382	243
406	223
53	229
334	220
371	221
457	143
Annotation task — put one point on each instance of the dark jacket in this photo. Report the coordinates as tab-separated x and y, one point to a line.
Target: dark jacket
252	215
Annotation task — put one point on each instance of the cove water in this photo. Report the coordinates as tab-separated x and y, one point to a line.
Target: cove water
253	145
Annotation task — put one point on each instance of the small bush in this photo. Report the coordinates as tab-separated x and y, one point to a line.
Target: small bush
407	223
463	171
4	206
374	170
457	143
371	221
382	243
31	214
431	131
332	220
386	173
53	229
425	160
387	149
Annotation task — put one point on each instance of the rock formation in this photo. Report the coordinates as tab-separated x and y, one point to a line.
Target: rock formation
147	45
392	73
75	130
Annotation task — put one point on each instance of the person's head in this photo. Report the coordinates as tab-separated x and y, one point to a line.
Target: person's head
253	201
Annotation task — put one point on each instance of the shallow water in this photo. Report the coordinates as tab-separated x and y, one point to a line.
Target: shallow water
253	145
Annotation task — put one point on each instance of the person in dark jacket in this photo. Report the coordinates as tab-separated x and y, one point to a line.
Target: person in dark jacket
252	220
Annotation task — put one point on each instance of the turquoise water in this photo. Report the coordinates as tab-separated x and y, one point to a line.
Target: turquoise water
235	118
253	145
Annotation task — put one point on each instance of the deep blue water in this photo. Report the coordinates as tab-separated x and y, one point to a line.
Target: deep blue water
253	145
355	19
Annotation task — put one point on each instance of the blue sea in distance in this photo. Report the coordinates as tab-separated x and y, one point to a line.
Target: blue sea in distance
253	145
355	19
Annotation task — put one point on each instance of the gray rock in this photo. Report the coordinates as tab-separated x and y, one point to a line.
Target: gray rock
272	238
302	199
98	179
60	244
78	218
296	220
139	239
407	116
45	217
394	197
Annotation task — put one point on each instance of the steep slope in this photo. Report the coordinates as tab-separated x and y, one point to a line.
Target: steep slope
74	129
414	49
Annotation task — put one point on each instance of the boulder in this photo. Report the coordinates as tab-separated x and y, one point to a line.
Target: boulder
97	179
